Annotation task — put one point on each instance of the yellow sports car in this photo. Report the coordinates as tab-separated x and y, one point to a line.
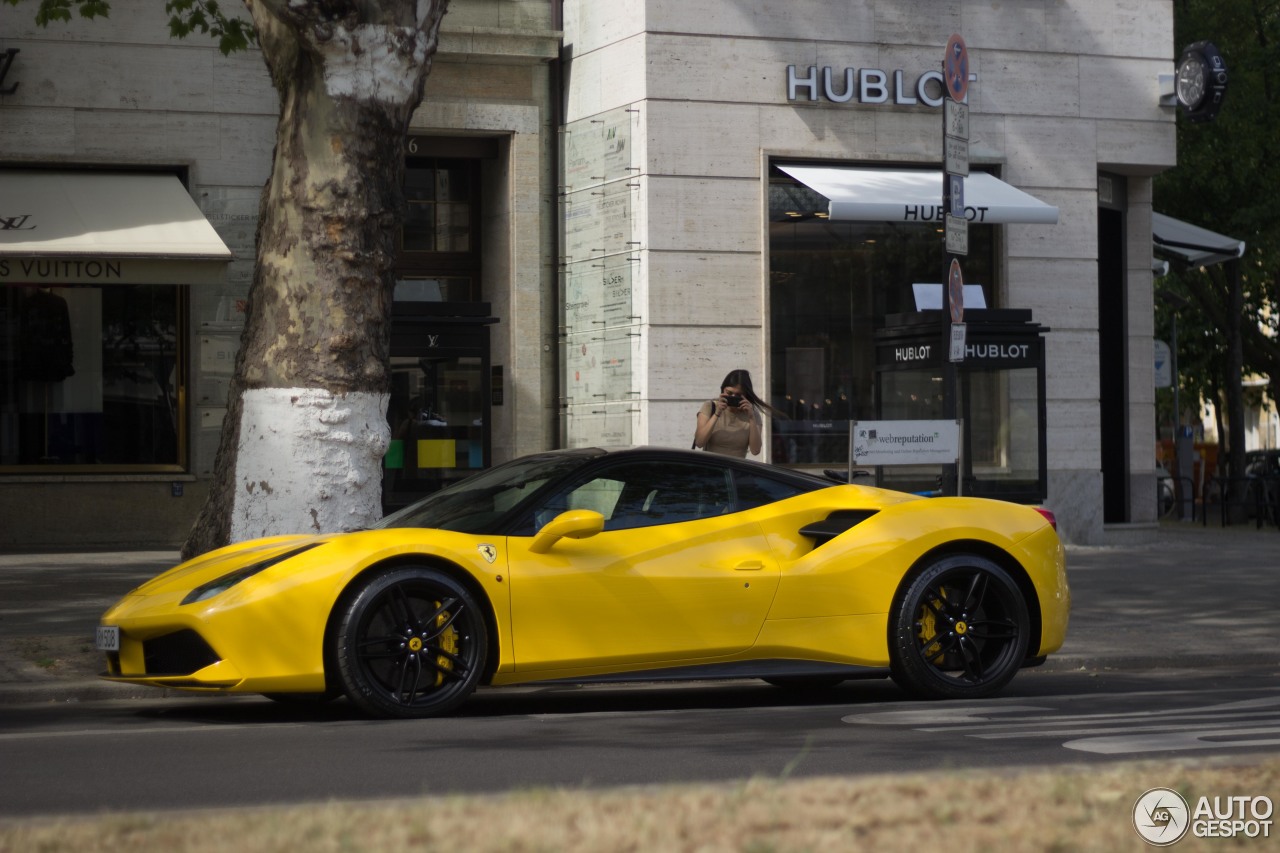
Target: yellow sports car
593	565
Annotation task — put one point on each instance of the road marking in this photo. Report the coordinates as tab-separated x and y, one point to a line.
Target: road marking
1224	725
147	730
1179	741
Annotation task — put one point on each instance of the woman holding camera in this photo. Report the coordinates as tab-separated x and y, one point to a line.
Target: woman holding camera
731	424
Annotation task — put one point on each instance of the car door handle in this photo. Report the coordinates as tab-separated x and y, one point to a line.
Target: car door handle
749	566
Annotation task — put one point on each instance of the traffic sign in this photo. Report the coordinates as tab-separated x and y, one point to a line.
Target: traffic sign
958	336
955	68
955	192
956	155
955	291
955	119
957	228
1164	365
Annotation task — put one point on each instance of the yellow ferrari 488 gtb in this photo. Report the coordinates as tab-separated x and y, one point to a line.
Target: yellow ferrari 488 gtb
593	565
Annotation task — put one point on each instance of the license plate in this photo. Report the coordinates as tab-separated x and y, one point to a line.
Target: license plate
108	639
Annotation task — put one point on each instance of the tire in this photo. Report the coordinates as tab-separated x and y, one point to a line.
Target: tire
411	643
960	630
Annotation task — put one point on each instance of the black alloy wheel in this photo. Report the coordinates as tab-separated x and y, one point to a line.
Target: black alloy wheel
411	643
960	631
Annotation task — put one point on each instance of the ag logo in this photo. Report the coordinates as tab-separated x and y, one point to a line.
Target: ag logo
1161	817
490	553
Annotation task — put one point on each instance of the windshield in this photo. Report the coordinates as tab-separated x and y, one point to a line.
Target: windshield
476	503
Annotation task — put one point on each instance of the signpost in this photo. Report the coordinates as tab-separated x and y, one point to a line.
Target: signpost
955	156
955	296
957	230
955	291
905	442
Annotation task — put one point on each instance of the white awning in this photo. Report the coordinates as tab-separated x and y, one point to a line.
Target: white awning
77	227
915	195
1191	243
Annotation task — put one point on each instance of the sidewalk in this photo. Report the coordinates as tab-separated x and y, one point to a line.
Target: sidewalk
1194	596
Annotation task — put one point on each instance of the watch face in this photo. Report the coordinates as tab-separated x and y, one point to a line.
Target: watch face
1191	81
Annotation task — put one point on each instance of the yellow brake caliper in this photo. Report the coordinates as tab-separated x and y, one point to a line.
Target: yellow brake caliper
448	643
929	628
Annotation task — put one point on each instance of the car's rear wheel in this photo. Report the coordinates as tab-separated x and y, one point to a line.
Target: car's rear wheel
960	630
410	643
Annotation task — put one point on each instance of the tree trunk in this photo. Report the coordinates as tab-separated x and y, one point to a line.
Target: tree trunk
305	431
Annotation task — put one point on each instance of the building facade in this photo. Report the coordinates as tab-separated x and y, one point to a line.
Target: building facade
611	205
705	125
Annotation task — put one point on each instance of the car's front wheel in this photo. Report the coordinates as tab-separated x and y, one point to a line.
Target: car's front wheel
960	630
410	643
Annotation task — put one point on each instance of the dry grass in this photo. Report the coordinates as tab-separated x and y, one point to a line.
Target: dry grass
1063	810
54	655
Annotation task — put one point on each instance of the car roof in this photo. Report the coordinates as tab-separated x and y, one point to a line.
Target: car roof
651	453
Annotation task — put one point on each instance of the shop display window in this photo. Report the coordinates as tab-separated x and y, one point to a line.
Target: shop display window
439	196
91	378
832	284
436	415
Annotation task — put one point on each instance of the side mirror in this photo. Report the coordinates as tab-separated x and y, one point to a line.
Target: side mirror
574	524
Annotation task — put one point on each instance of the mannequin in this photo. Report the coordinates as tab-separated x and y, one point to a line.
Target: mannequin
45	353
44	338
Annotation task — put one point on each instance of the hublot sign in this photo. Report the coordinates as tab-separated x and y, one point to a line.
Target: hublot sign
1009	354
920	353
866	85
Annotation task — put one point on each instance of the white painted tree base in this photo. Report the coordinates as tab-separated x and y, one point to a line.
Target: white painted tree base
309	461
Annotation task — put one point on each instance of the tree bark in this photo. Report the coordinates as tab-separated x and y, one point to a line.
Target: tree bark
305	431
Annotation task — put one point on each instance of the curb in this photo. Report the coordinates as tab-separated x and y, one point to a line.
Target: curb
92	690
78	690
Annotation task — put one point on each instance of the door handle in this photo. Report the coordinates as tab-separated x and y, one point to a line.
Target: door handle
749	566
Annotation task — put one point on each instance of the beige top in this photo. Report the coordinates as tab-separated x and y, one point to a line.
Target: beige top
730	433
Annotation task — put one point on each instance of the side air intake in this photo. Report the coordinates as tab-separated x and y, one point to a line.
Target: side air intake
822	532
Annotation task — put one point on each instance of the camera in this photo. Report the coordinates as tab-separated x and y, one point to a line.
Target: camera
733	401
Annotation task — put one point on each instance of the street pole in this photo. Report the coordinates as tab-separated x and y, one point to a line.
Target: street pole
955	168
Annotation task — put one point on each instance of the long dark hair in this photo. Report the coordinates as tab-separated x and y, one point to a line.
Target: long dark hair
742	379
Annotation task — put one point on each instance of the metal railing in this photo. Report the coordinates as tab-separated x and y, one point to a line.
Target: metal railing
1259	494
1184	497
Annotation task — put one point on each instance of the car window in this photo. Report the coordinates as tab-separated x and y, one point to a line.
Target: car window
475	504
641	494
755	490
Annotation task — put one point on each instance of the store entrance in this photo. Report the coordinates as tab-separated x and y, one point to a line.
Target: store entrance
440	396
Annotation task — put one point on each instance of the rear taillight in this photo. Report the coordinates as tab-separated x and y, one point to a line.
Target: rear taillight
1049	516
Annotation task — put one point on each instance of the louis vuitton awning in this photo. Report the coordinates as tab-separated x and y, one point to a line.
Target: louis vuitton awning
104	228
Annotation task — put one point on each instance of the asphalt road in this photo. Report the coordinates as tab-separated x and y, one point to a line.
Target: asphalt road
1171	654
193	753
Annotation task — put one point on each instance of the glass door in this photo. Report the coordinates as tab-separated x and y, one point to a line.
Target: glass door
437	416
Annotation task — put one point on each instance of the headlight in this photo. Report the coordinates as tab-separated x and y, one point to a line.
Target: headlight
224	583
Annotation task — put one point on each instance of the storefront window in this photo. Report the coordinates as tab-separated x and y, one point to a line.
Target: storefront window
832	284
436	414
90	377
1003	413
437	288
438	194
